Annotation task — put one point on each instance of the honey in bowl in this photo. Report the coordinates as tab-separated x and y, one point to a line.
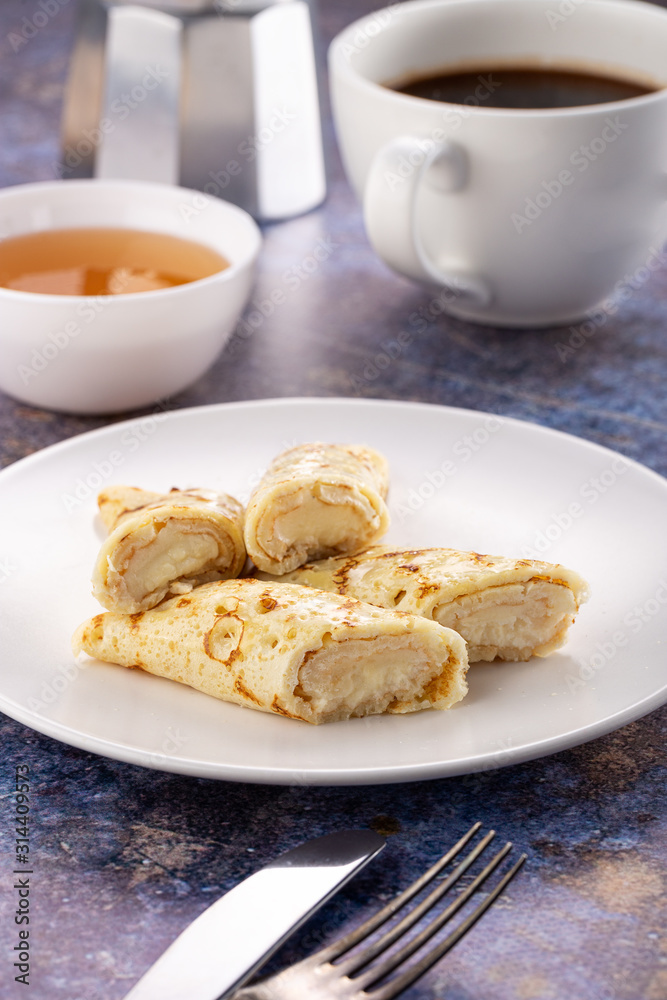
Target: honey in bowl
103	261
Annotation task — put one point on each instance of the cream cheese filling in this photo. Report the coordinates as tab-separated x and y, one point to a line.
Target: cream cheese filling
307	524
361	677
150	558
513	621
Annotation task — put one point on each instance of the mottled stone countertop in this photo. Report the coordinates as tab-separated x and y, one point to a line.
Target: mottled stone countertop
125	856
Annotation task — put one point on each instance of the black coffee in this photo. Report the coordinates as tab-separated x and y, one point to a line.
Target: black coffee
524	87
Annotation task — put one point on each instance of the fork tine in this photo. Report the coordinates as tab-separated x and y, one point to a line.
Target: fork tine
355	962
405	979
396	958
393	960
339	947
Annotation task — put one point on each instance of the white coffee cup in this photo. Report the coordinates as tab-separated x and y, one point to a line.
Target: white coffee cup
523	217
109	353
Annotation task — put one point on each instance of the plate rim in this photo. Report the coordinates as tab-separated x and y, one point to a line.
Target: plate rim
169	415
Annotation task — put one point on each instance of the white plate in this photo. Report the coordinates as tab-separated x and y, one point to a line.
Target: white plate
459	478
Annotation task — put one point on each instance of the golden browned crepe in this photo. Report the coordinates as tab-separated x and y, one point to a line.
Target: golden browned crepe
316	500
287	649
509	609
116	502
162	544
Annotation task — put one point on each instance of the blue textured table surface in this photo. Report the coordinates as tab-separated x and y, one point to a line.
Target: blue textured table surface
125	857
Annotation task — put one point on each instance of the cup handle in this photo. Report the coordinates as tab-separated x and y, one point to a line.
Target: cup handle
396	175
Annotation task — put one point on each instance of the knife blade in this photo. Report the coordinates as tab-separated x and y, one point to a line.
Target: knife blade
222	948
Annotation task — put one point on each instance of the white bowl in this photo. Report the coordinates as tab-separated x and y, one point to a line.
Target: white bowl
109	353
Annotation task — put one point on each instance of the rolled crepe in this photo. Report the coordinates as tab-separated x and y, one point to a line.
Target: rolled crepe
316	500
505	609
287	649
162	544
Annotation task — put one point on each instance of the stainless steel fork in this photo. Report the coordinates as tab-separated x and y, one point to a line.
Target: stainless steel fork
338	971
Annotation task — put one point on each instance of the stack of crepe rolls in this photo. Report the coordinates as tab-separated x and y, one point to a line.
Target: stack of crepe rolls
317	500
288	649
164	544
364	629
505	609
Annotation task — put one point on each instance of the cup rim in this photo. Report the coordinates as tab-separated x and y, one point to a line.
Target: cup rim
219	277
341	65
